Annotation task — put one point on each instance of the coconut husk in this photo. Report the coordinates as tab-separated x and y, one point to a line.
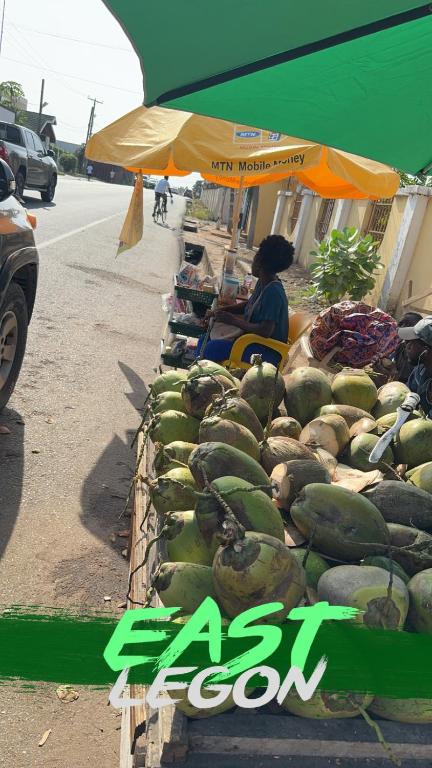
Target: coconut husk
354	479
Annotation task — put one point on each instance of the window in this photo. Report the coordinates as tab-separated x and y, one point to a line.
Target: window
10	133
38	144
377	219
295	212
323	220
29	140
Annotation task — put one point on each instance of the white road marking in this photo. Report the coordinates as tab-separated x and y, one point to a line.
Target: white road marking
78	231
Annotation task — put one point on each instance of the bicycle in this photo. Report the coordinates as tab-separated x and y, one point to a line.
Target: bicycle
160	212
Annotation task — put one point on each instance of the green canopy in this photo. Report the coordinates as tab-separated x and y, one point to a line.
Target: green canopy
352	74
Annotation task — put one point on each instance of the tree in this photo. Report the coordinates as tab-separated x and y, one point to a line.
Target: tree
197	188
80	157
68	162
10	94
421	180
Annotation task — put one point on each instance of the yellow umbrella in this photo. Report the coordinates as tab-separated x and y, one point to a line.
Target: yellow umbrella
162	139
235	155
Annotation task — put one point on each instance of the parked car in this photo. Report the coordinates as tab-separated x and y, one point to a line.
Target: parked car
18	280
32	164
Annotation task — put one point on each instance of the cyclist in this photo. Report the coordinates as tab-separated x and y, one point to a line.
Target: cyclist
161	194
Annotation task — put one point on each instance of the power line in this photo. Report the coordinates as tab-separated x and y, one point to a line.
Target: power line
75	39
74	77
40	63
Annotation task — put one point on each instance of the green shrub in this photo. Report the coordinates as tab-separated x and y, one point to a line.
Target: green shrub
68	162
345	266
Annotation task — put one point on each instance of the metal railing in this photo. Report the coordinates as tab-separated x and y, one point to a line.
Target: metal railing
295	212
377	219
323	220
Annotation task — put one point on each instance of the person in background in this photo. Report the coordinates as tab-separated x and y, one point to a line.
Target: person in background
397	367
266	312
418	339
112	176
404	367
161	189
89	171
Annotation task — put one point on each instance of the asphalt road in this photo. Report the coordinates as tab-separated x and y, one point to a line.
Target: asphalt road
66	466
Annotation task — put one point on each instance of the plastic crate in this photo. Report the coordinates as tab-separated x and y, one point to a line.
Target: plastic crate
186	329
191	294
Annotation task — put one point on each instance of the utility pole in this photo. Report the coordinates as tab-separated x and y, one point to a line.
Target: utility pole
2	24
90	124
41	106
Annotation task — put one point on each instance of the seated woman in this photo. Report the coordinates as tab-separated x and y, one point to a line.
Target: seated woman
266	312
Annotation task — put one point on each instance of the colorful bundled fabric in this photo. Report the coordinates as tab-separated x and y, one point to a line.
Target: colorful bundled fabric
365	334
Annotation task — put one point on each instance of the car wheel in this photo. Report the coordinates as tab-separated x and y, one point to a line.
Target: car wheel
48	194
19	184
13	338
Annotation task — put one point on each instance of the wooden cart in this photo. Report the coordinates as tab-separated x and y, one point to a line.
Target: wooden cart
156	738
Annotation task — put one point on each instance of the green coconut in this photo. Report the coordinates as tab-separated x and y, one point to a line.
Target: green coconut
252	508
344	525
390	397
386	422
213	460
173	492
255	570
420	592
197	393
412	561
234	408
306	391
329	432
402	710
350	413
314	568
366	587
184	541
168	401
276	450
172	456
391	566
362	426
421	477
413	446
354	387
285	426
326	705
208	367
261	387
359	450
171	381
184	585
410	472
215	429
403	503
172	426
290	477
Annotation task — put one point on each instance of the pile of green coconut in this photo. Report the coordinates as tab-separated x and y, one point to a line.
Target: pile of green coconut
264	492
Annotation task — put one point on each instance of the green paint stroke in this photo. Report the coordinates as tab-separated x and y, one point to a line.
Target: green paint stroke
67	647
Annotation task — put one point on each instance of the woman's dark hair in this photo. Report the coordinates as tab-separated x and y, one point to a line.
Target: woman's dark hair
409	320
276	254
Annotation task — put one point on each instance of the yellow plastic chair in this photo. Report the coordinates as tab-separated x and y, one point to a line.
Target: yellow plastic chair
299	323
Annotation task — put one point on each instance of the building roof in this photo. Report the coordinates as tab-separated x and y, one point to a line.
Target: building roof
46	123
68	146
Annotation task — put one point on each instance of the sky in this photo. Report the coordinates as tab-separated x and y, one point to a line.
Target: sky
81	51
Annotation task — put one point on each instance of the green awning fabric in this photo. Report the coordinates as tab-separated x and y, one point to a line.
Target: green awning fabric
352	75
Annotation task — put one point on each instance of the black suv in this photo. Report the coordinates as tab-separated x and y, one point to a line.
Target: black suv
18	279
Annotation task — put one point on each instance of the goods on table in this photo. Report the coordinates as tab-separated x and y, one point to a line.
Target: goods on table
258	506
